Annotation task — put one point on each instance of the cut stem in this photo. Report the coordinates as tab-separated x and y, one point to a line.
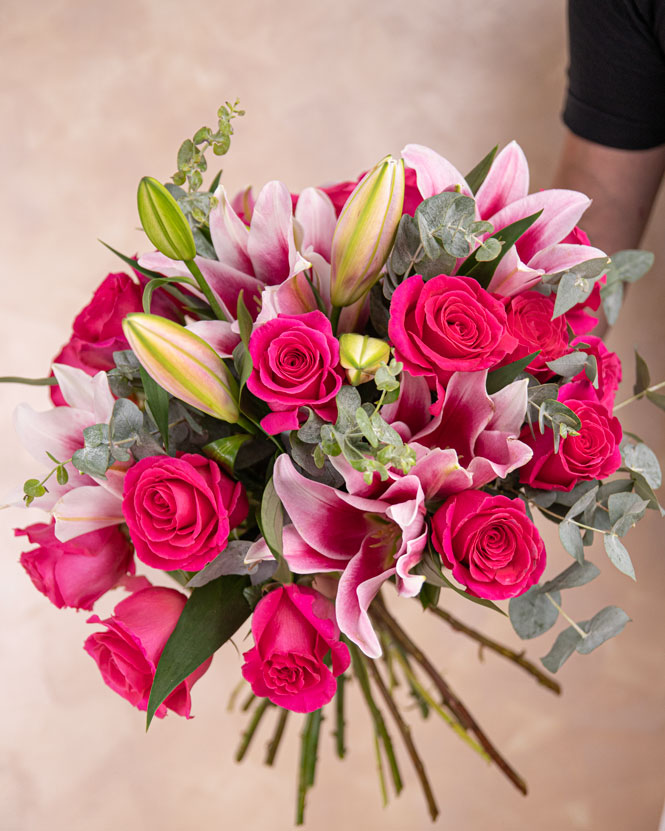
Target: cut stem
516	657
32	382
248	735
405	730
450	699
274	743
340	724
308	755
633	397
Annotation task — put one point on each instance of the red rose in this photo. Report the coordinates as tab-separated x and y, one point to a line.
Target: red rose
294	629
127	654
78	572
296	364
446	325
530	321
180	511
490	544
594	454
97	329
609	371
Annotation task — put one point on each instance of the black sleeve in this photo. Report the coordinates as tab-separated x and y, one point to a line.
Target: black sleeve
616	75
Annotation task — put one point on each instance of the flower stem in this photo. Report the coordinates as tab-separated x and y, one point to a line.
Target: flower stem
248	735
33	382
339	717
308	756
205	289
273	746
632	397
334	318
450	699
360	669
567	617
405	730
516	657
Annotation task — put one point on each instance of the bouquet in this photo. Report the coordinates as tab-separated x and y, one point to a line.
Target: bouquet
301	409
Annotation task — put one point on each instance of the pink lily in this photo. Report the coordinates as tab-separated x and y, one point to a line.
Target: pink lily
368	540
80	505
502	199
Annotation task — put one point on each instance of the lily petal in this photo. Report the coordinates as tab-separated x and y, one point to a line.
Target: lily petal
506	181
434	174
315	213
86	509
229	234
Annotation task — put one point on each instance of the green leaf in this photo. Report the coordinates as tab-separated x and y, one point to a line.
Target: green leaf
366	428
157	402
33	488
508	236
430	569
61	475
612	299
562	649
499	378
212	614
225	450
272	524
156	283
245	322
575	285
568	365
478	174
429	595
215	182
657	398
642	375
578	574
571	539
618	554
604	625
532	614
641	459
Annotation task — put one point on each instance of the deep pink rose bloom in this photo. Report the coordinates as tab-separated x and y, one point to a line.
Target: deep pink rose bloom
127	654
296	364
594	454
609	371
530	321
446	325
294	628
97	329
180	511
78	572
577	237
490	544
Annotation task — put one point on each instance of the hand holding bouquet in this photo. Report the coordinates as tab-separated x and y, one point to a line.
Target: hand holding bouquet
304	404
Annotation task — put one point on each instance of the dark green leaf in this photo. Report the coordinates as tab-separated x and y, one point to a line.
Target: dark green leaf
477	176
642	376
225	450
429	595
272	524
532	614
33	488
499	378
430	569
657	398
157	402
61	475
212	614
245	322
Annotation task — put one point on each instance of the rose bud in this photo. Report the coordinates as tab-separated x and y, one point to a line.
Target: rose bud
164	223
361	356
294	628
365	231
128	652
183	364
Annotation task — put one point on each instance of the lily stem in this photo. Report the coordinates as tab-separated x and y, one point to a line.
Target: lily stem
205	289
517	657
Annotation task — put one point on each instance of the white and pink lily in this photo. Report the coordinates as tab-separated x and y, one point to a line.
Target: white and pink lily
367	539
504	198
84	504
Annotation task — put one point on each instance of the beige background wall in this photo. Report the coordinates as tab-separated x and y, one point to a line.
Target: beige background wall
93	96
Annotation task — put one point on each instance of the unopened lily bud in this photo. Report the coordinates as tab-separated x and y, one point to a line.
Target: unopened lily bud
183	364
361	356
164	223
365	231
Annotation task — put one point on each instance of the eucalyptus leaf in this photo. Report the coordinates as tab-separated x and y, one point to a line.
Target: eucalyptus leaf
629	265
568	365
641	459
213	614
444	220
310	432
618	554
563	647
575	285
656	398
582	503
571	539
532	613
620	504
604	625
126	420
232	561
94	461
578	574
612	300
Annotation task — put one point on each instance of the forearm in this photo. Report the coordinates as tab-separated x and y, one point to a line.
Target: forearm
622	184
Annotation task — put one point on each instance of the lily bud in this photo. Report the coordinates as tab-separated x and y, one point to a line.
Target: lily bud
365	231
183	364
164	223
361	356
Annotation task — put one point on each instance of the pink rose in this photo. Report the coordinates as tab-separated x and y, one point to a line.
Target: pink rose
127	654
78	572
594	454
296	364
577	237
609	371
490	544
97	329
294	628
446	325
530	321
180	511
